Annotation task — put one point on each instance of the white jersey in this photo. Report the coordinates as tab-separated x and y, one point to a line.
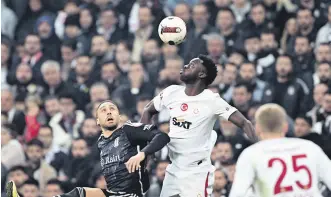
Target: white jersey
192	120
284	167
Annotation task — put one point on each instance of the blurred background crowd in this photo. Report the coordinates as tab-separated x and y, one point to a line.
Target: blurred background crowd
60	58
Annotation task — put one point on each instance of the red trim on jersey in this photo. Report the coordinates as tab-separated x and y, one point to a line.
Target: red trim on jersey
206	185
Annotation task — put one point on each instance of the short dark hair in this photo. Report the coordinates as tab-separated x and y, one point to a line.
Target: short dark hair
211	68
225	9
243	84
67	95
17	168
31	181
11	128
70	44
46	126
258	4
248	62
51	97
323	62
35	142
286	55
56	182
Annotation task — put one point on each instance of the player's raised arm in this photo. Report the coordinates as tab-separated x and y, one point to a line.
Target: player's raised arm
226	111
139	135
148	113
240	121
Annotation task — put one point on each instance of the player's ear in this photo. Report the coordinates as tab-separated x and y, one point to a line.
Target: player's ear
202	74
285	127
98	123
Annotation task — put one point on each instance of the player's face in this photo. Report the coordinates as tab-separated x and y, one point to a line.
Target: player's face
108	116
190	72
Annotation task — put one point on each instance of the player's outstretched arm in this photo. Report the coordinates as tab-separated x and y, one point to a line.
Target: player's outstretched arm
240	121
148	113
141	135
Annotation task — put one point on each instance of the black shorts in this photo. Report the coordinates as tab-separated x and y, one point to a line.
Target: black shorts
119	194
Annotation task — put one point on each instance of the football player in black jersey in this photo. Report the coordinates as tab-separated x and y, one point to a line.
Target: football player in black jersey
123	151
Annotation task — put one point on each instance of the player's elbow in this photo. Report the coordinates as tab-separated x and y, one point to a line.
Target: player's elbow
166	137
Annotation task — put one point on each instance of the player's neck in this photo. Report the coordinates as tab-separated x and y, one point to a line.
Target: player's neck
194	89
270	136
107	133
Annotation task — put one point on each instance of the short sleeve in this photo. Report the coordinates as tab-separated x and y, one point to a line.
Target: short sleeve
222	108
160	101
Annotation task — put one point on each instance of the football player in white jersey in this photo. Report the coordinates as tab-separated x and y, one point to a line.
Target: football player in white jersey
279	166
193	109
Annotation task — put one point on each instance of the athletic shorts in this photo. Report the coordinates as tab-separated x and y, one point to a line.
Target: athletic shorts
194	185
119	194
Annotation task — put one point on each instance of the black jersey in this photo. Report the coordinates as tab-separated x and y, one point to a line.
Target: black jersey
117	149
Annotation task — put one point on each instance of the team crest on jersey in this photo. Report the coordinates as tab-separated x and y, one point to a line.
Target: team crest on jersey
196	111
184	107
116	142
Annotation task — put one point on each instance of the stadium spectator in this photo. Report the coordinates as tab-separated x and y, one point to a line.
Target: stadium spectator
67	122
5	60
80	166
54	187
323	52
10	145
54	85
36	165
323	35
287	89
194	36
51	106
221	184
53	154
19	175
247	74
30	188
50	42
14	116
145	32
156	183
126	95
90	132
111	76
68	54
226	23
216	48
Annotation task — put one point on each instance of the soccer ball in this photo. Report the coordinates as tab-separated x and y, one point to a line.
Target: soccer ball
172	30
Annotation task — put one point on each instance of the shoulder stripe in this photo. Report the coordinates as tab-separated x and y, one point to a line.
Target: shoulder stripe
303	85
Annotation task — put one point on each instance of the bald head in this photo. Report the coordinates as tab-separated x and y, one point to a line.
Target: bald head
270	118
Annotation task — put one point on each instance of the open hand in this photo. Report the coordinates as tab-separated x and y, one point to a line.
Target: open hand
134	162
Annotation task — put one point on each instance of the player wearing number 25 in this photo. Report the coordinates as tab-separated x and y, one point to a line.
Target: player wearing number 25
279	166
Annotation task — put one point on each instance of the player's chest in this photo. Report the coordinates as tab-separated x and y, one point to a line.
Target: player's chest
190	110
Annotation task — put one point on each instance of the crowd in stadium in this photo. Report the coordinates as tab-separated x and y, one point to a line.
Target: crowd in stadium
61	58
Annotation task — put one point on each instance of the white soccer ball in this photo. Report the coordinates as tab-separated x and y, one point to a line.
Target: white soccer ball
172	30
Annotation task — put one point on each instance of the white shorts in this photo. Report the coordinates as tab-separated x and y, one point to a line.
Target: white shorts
194	185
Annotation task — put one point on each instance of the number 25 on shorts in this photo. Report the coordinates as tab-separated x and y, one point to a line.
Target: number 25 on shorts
280	189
